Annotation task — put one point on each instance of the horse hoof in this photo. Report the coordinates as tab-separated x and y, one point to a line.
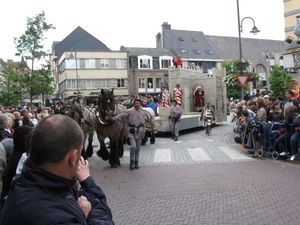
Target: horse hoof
103	154
114	166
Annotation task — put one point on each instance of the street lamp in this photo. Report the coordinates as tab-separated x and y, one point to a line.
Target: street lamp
240	29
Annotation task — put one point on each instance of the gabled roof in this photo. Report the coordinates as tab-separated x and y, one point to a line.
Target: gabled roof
79	40
154	52
190	41
222	48
227	48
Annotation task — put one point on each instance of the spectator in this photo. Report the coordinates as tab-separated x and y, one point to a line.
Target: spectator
26	119
19	148
3	127
46	192
275	114
281	144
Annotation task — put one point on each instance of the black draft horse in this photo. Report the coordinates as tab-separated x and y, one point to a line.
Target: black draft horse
107	127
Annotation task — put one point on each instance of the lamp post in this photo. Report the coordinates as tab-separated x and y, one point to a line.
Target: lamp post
240	29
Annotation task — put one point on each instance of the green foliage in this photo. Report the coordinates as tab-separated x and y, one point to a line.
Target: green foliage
233	87
47	103
11	88
278	81
29	45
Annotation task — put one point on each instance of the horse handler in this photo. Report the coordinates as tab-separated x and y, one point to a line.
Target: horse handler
135	131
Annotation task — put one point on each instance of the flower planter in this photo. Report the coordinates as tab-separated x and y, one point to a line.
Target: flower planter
241	65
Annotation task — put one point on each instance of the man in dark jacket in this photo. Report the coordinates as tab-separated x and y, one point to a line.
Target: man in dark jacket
45	192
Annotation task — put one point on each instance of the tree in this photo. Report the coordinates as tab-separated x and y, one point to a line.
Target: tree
29	45
278	81
234	89
11	89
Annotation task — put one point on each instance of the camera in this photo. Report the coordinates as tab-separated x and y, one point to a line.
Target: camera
132	130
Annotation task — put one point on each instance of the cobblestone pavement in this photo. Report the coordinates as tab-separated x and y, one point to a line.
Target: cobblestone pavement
200	180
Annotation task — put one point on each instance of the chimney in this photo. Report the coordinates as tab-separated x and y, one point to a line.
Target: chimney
166	26
158	39
10	61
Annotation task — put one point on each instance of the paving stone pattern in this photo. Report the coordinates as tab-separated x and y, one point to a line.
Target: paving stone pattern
219	185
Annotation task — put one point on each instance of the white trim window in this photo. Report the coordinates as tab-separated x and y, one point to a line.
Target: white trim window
90	63
71	84
120	63
104	63
145	62
104	83
71	64
165	62
120	83
142	84
90	84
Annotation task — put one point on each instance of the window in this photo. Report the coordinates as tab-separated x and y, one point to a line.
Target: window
90	64
183	51
165	63
90	84
120	63
194	39
121	82
145	62
104	83
72	84
141	82
196	51
208	52
104	63
158	82
71	63
150	83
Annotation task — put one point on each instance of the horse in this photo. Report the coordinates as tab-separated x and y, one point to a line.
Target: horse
107	127
88	127
149	117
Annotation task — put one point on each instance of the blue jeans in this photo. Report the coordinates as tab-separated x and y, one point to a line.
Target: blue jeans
283	143
294	143
175	128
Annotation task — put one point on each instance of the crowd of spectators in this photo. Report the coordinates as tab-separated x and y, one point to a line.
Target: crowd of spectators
254	117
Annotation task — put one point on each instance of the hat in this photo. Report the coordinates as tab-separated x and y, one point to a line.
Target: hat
3	121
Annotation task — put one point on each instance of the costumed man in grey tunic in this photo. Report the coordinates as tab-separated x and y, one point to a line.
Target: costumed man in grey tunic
175	114
208	114
135	131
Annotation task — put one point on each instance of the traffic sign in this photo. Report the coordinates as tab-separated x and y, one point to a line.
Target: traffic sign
242	79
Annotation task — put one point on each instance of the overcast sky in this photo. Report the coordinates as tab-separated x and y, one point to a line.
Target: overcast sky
135	23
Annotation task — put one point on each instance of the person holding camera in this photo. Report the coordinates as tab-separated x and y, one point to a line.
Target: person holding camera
175	114
135	132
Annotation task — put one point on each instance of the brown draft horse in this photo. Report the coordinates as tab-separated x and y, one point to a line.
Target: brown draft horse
69	109
107	127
